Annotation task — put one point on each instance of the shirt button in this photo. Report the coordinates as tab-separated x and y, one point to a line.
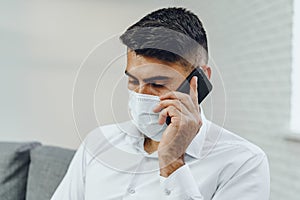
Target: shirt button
131	191
167	192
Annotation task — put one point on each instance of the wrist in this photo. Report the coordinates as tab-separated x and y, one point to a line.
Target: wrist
167	170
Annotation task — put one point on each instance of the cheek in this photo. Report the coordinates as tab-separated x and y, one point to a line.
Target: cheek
132	85
165	89
161	91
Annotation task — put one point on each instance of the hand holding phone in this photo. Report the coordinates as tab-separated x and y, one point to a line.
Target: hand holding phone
204	86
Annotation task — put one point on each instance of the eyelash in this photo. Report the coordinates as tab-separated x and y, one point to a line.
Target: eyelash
156	85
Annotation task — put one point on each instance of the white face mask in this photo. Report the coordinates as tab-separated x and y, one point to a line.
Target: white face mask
140	107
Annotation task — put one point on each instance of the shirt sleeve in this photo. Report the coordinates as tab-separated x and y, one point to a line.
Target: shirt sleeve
251	181
72	185
181	185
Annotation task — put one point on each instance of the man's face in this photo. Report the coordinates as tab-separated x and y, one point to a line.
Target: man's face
152	76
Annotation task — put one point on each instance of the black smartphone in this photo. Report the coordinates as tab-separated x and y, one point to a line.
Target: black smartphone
204	86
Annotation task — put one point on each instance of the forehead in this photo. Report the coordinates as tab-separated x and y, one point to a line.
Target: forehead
139	65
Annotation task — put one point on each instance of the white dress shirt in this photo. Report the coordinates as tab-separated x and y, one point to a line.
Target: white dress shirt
111	164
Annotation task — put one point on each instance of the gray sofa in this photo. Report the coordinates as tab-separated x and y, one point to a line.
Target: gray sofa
31	171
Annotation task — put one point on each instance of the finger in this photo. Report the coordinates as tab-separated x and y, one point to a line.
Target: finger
185	99
172	95
169	102
170	111
194	90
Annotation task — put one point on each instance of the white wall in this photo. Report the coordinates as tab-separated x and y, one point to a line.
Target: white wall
251	43
44	43
42	46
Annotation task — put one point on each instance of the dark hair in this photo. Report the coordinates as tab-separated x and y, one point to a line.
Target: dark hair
168	34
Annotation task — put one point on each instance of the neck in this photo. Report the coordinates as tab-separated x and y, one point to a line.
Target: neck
150	145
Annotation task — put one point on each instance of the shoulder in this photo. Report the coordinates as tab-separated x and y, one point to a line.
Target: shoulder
108	136
110	132
104	132
231	151
226	140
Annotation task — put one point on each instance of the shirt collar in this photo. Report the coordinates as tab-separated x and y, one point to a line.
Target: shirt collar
136	138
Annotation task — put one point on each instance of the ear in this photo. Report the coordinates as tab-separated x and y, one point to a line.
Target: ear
207	70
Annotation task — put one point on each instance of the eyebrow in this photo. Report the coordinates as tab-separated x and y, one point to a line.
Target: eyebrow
154	78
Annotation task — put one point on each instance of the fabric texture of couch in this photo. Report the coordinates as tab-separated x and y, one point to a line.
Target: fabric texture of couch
31	171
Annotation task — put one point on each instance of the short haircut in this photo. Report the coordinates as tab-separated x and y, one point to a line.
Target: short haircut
169	34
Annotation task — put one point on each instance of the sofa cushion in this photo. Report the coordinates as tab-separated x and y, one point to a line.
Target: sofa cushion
47	168
14	163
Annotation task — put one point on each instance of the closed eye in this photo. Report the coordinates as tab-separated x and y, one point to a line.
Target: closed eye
156	85
133	82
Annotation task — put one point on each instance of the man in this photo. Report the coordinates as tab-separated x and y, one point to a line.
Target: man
147	158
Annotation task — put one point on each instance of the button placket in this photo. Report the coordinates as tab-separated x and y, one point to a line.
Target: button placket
132	185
